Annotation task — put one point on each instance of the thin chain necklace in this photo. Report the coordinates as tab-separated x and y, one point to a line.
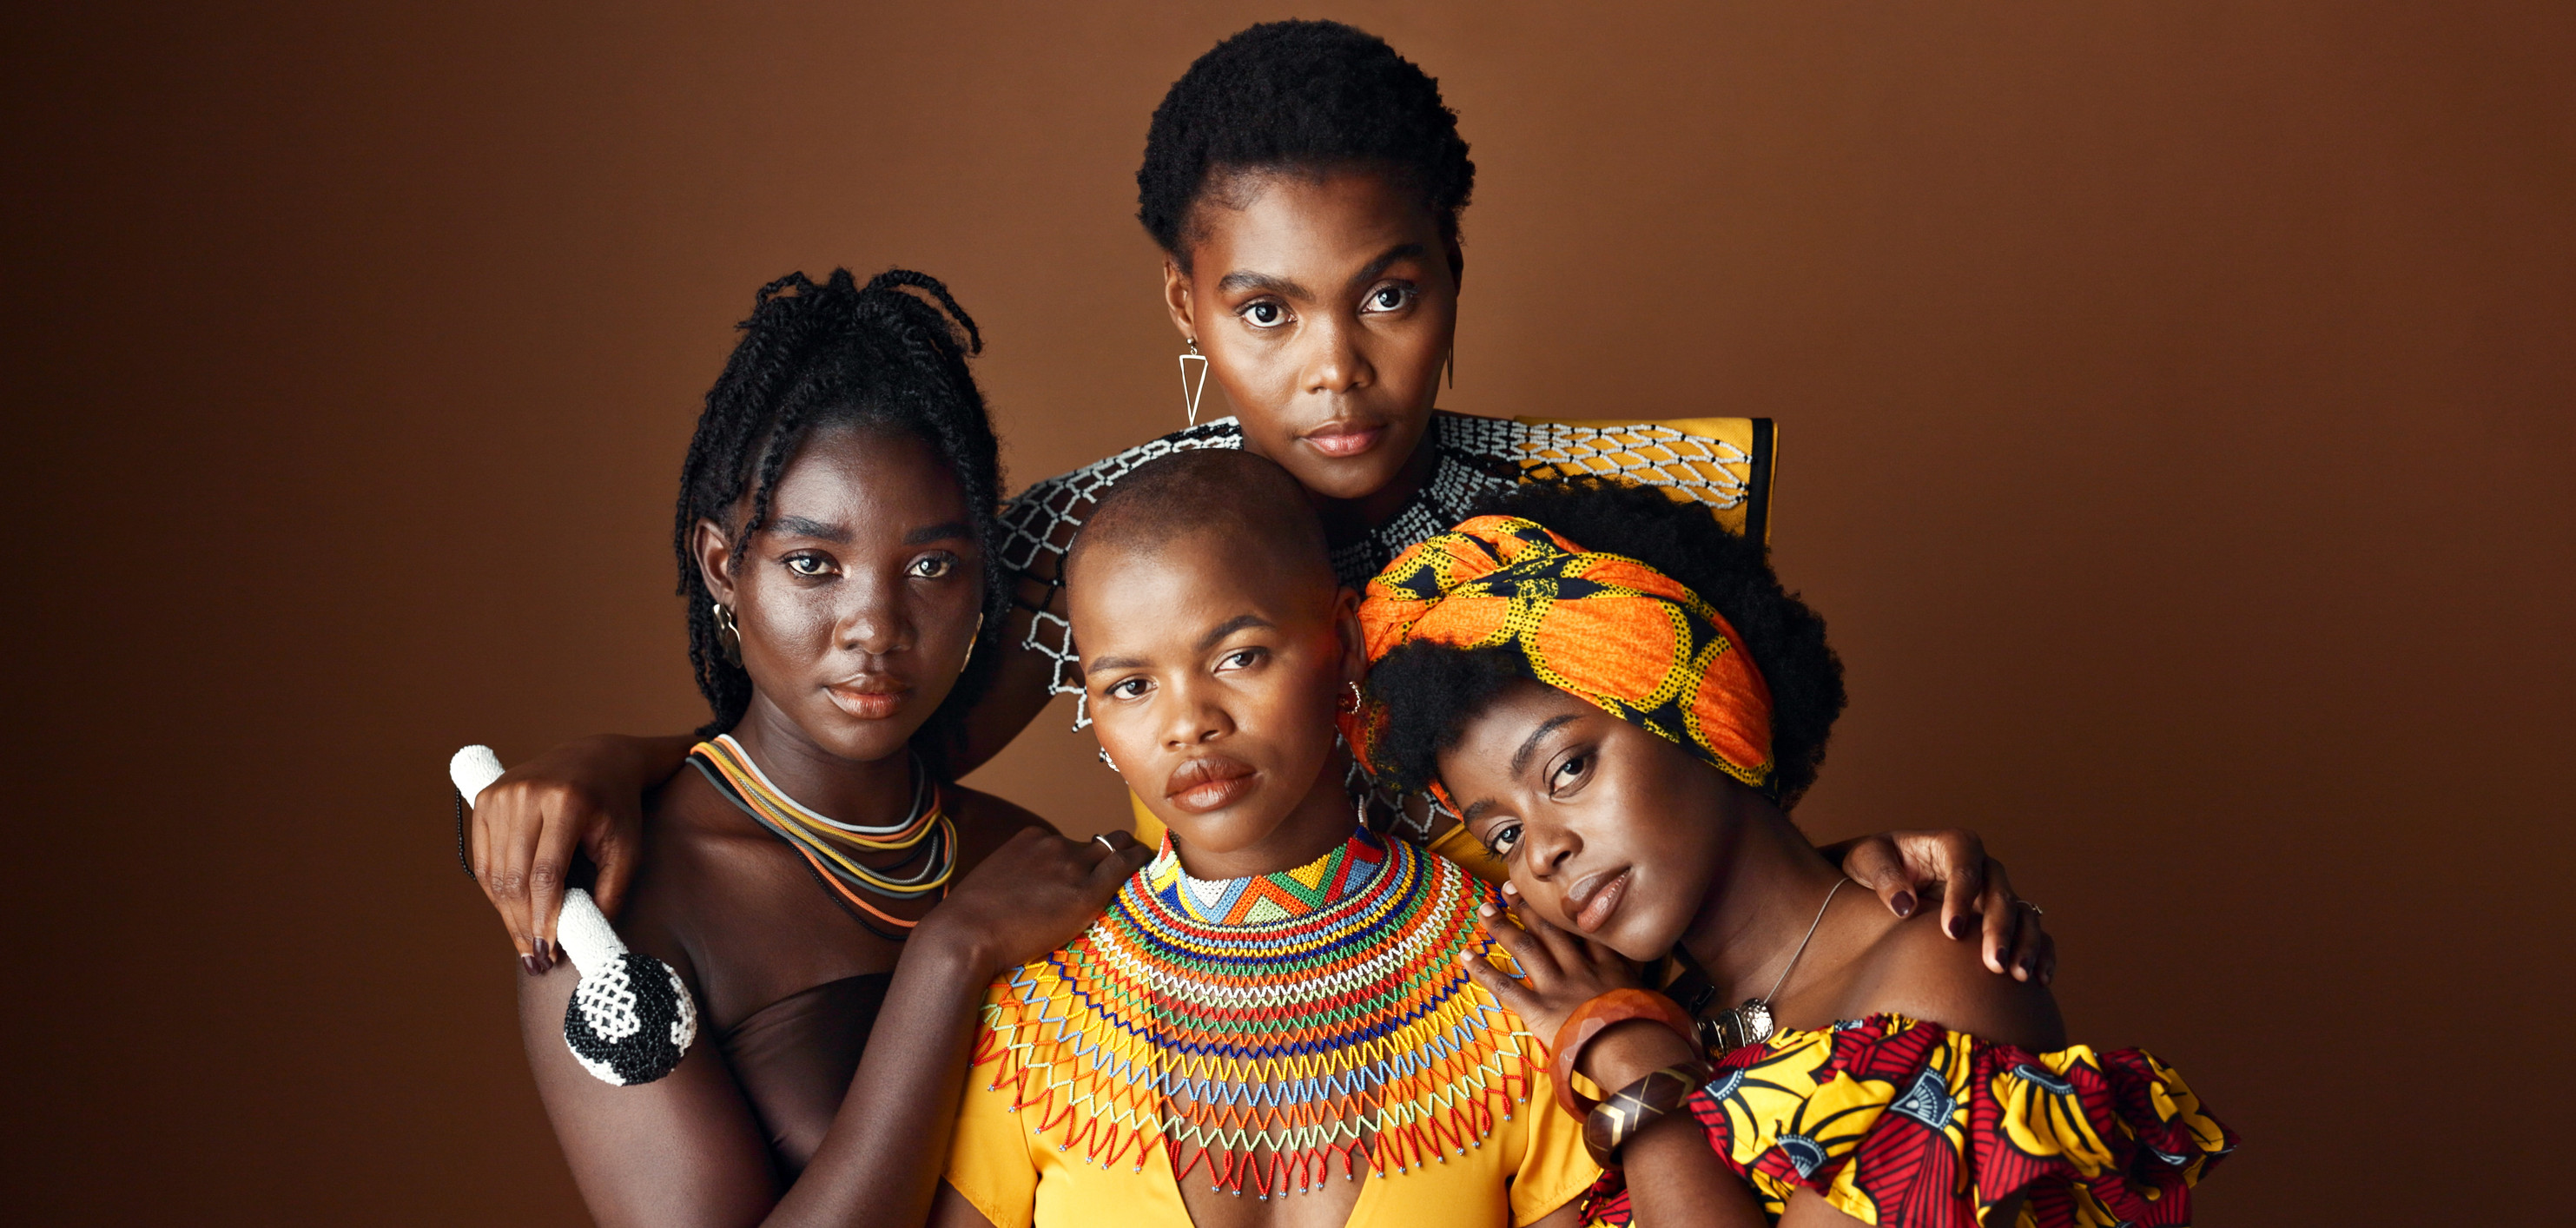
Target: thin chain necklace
832	848
1750	1023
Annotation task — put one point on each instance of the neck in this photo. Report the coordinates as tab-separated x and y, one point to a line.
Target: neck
871	792
1322	821
1347	519
1765	897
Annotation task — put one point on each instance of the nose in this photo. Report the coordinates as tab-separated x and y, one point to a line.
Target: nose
1547	847
874	622
1192	717
1335	363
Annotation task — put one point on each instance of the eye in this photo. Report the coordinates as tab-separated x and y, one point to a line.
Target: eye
809	565
1241	658
1502	838
1126	688
1570	772
1264	313
1394	296
931	566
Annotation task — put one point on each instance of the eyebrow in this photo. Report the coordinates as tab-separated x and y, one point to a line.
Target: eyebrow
1375	267
937	532
1242	279
1214	636
1529	746
798	526
1237	623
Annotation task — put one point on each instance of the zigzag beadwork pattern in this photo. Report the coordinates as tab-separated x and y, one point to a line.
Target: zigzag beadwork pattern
1276	1029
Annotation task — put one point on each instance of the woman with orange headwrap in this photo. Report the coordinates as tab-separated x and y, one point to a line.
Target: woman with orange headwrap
1623	704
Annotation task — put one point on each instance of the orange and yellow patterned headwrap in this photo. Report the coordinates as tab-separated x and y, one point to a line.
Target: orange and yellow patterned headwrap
1604	628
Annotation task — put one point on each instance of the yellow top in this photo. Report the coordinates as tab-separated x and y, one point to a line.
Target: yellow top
1532	1165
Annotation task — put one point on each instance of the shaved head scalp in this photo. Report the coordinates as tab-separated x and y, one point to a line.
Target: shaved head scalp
1257	509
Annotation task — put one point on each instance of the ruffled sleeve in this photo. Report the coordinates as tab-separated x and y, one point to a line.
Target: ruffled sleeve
1898	1122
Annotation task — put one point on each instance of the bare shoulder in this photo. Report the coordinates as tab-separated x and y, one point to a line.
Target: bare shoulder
1916	971
981	814
985	823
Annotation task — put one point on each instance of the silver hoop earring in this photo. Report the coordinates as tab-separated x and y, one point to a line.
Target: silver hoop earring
1356	701
1193	379
728	636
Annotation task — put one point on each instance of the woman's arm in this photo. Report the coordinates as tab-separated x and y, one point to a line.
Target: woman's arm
1674	1179
681	1150
888	1145
687	1150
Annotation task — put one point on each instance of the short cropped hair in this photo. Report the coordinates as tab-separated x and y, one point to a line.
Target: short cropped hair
1302	96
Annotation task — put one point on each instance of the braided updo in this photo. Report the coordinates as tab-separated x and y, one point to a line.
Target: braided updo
1298	95
837	354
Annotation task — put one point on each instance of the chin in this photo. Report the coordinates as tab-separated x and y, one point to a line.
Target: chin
1355	477
861	741
1223	831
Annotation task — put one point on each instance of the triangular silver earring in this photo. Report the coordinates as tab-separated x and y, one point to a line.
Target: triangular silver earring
1193	378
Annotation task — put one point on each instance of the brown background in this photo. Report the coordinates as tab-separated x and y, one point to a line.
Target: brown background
2175	402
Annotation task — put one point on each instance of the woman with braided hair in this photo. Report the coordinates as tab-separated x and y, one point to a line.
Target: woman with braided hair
830	901
1304	183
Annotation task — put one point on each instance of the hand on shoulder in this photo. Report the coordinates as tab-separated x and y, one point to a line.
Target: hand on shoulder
1914	970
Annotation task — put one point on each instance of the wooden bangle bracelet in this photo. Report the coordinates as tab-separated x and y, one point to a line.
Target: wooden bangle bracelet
1614	1121
1591	1018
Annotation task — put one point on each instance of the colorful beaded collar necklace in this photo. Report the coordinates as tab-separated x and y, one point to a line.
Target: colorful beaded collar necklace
1267	1026
832	847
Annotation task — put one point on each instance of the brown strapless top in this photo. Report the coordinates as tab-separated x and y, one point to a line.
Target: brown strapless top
794	1058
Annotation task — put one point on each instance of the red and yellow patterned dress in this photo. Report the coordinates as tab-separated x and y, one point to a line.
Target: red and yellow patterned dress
1903	1123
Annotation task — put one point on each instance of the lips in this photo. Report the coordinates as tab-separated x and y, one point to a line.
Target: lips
1213	782
1591	901
1341	440
869	697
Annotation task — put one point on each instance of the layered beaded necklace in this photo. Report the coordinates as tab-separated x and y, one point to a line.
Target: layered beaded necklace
1268	1026
834	848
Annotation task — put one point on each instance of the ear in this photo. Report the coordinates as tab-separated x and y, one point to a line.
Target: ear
714	550
1176	298
1346	624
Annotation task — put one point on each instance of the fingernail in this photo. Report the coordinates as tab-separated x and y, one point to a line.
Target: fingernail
545	955
1960	925
529	962
1484	910
1903	903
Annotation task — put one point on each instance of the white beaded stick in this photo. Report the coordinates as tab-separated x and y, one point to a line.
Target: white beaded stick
624	1024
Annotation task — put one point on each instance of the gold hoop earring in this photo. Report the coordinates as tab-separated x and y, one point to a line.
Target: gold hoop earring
728	636
1450	365
970	641
1193	379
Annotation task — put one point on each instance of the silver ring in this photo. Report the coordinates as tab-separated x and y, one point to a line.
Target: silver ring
2035	910
1103	841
